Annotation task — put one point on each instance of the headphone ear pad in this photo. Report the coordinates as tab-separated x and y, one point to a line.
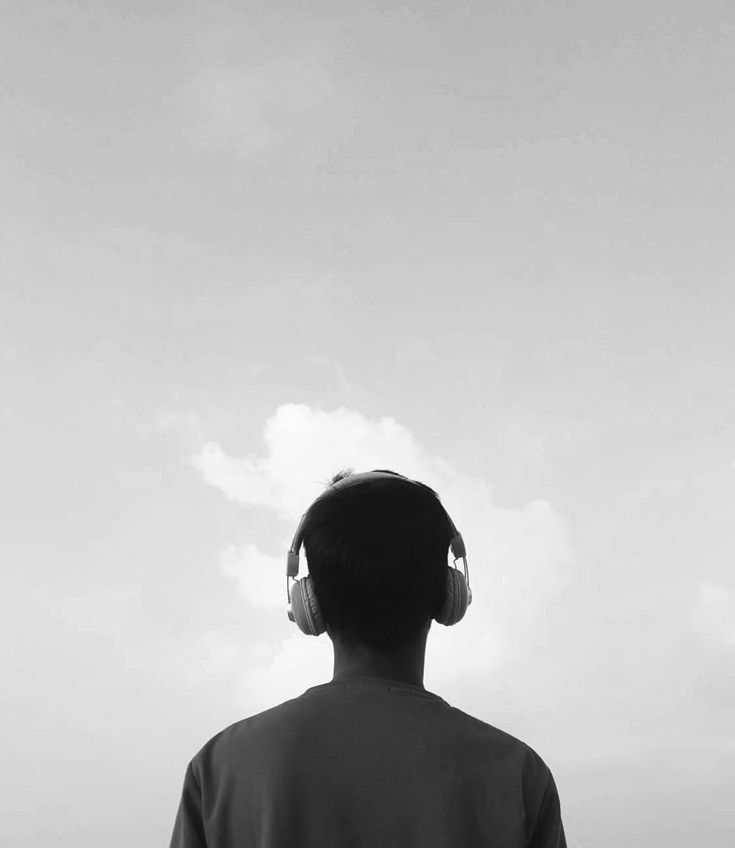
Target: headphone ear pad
305	606
456	598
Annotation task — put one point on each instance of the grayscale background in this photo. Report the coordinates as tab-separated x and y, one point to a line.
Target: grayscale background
486	245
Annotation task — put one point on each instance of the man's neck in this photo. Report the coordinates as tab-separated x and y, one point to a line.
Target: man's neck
390	673
405	665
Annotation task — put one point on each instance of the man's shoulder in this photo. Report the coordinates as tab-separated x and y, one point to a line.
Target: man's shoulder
251	727
495	740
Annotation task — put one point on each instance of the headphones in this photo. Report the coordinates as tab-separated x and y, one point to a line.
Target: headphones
303	606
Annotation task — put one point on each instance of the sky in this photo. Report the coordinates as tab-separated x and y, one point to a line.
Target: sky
486	245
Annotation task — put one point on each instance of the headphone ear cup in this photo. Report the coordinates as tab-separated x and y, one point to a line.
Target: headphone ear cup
305	607
456	598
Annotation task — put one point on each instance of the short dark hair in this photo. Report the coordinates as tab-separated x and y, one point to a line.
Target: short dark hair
377	554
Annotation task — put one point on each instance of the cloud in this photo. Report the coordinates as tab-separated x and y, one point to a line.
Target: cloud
713	617
246	110
518	558
304	447
261	578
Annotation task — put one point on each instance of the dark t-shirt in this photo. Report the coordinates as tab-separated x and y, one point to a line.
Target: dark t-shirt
371	763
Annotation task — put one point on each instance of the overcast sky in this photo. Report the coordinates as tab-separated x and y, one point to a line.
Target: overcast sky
487	245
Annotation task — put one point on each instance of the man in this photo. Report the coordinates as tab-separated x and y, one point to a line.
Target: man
371	759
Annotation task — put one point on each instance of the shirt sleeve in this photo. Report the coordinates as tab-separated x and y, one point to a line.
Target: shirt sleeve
548	830
189	827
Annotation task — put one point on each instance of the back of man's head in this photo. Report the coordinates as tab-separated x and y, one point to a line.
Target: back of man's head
377	554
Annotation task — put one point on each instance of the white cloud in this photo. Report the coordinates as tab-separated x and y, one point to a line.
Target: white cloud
518	558
290	671
261	578
242	110
304	447
713	617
